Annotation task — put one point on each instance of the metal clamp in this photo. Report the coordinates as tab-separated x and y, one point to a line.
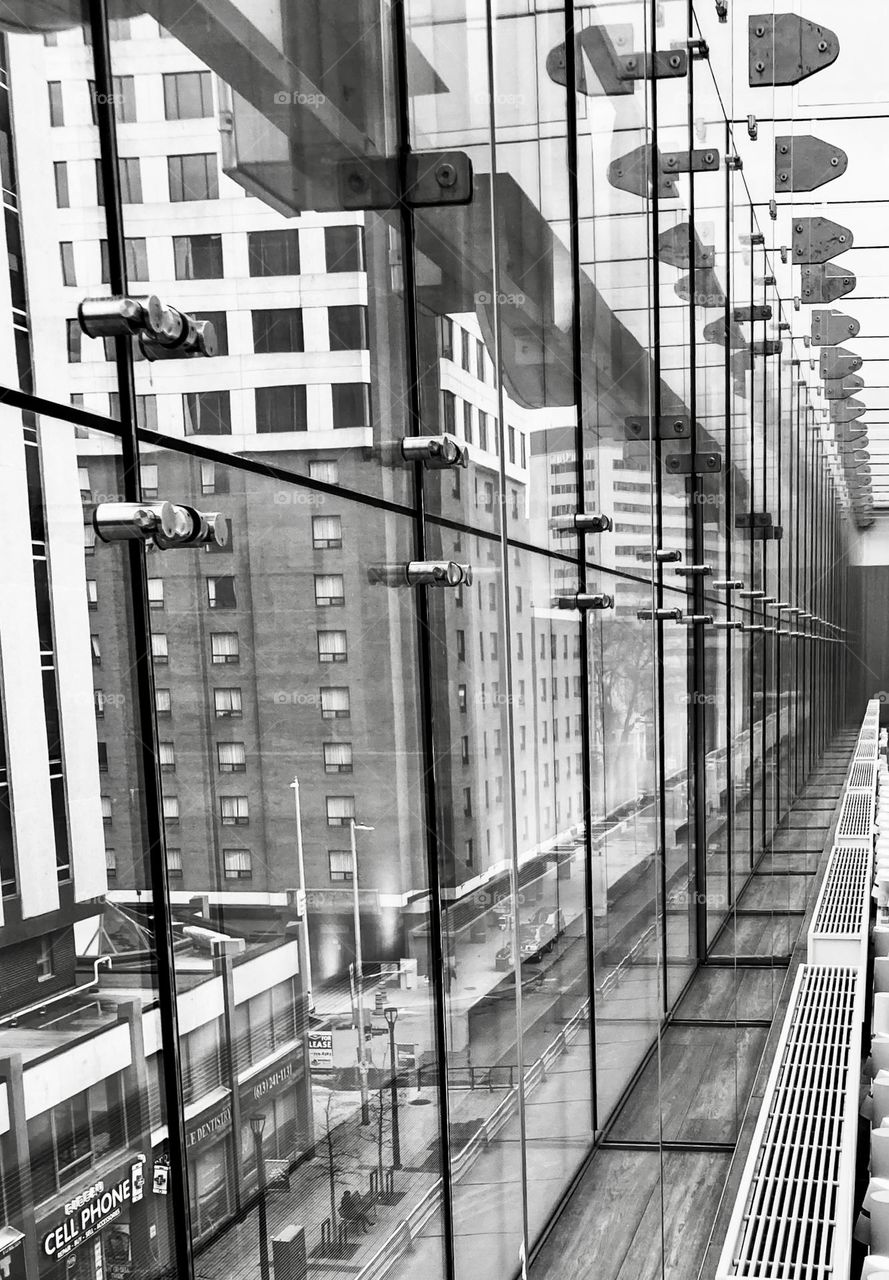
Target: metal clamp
164	332
728	584
696	620
584	600
437	573
752	626
751	595
166	524
694	571
664	555
726	624
586	522
435	452
659	615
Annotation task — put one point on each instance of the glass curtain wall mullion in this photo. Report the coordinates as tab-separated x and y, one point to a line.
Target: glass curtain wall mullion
438	959
143	665
728	522
585	698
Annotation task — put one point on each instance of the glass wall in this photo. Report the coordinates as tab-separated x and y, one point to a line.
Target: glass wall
416	648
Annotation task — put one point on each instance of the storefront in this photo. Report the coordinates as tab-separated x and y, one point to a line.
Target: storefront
278	1093
100	1232
208	1141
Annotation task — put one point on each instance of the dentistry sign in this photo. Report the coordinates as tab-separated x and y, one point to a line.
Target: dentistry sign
89	1212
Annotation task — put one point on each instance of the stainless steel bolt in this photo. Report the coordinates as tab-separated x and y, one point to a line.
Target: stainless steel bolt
446	175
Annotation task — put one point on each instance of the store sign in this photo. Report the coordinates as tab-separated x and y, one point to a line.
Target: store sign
320	1050
92	1210
12	1259
273	1080
208	1125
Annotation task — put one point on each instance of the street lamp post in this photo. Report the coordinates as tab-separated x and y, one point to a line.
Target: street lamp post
359	973
304	924
391	1015
257	1124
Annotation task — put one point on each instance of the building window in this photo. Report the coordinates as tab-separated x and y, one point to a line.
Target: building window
325	469
46	965
213	480
340	810
174	864
233	811
335	704
467	802
273	253
482	429
347	328
188	95
231	757
465	342
219	321
60	172
198	257
207	413
156	593
344	248
281	409
56	108
332	646
96	651
237	864
224	647
227	703
106	810
74	341
163	702
340	863
329	590
277	330
351	405
193	177
66	252
166	757
461	697
171	810
148	479
337	757
448	411
159	651
480	360
221	592
467	422
146	406
103	756
92	593
327	533
111	864
467	853
99	703
123	99
461	646
446	337
130	172
136	257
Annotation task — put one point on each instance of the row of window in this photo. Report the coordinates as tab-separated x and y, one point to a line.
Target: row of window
231	757
237	864
486	435
473	356
277	409
276	330
188	95
234	811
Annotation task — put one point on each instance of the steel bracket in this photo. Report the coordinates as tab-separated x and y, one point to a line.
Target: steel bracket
434	178
745	315
842	388
767	347
633	172
846	410
726	335
705	160
818	240
831	327
836	362
826	283
671	426
802	164
785	48
697	464
607	51
673	247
